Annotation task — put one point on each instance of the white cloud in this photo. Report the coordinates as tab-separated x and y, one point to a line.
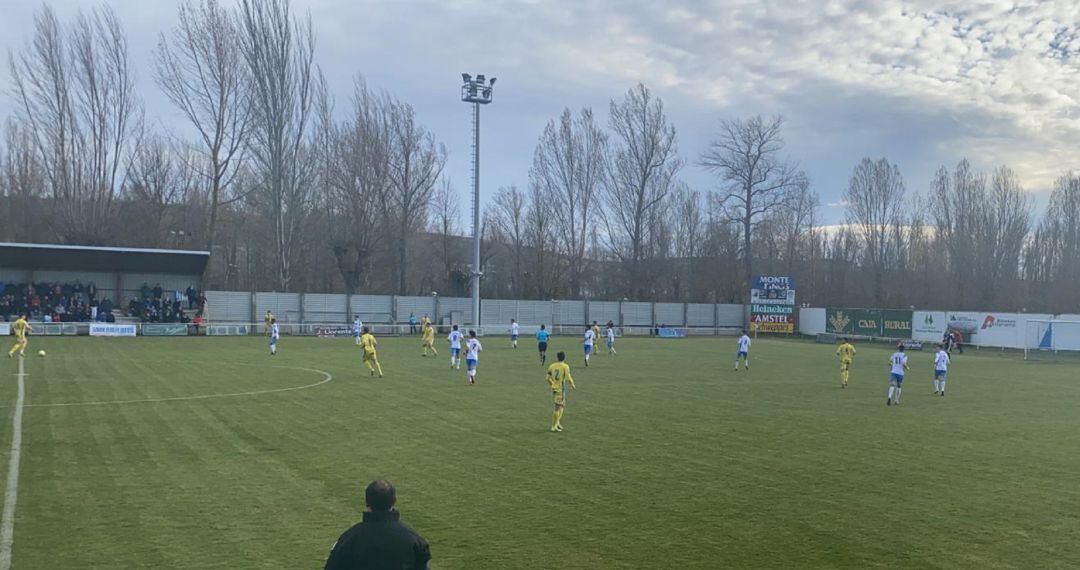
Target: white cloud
924	82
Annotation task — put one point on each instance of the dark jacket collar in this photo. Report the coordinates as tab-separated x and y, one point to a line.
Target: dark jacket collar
385	516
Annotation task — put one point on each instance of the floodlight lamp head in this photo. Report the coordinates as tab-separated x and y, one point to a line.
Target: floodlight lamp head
480	78
492	82
466	77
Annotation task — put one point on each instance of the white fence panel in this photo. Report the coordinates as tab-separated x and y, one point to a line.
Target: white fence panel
374	308
228	306
325	308
416	306
731	316
498	312
603	311
700	314
570	312
670	314
285	306
535	313
637	314
812	321
451	304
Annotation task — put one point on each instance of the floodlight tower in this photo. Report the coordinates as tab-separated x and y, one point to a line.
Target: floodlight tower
477	91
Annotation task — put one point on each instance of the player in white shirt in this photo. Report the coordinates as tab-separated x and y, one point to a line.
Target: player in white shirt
899	367
610	333
357	326
514	329
455	339
275	333
472	356
590	339
744	352
941	368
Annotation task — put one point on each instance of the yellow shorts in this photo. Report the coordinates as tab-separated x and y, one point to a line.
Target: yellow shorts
557	397
429	344
845	365
370	356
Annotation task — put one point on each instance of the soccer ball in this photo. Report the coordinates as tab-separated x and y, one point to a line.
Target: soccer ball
41	353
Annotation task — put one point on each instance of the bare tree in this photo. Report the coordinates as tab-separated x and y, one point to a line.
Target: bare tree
875	206
569	161
360	179
446	216
76	96
200	67
279	52
545	270
159	179
795	221
22	182
640	175
509	211
755	178
415	163
1006	220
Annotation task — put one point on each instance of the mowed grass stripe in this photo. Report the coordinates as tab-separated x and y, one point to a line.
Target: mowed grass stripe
670	459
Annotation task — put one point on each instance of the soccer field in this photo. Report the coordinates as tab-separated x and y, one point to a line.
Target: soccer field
669	459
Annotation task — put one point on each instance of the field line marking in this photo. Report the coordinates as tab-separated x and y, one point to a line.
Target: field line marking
11	495
327	378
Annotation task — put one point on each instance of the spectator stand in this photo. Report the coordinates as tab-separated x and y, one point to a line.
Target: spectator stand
64	288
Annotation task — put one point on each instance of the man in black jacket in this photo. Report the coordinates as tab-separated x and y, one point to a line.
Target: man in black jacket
381	541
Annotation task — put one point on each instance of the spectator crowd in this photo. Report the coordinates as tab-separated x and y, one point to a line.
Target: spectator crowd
75	302
157	305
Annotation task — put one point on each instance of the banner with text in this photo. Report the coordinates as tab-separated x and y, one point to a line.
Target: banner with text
165	329
102	329
884	323
772	304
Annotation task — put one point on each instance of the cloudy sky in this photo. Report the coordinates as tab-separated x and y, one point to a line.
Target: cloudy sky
923	83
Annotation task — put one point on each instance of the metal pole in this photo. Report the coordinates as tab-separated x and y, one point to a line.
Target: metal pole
476	217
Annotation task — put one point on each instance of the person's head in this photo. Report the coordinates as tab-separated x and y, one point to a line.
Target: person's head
455	327
268	311
594	322
543	327
899	348
273	321
512	321
844	340
472	334
587	328
380	496
940	346
744	332
366	330
561	356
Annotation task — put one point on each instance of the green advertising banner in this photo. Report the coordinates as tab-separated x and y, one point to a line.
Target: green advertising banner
895	324
857	322
167	329
885	323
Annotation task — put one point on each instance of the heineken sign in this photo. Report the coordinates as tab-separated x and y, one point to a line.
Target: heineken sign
772	304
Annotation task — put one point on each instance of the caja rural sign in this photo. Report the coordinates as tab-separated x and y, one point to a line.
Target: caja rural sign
884	323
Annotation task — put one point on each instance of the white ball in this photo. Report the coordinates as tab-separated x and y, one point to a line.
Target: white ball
41	353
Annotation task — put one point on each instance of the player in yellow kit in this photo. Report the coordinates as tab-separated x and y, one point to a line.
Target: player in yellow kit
558	375
20	327
846	352
428	338
370	358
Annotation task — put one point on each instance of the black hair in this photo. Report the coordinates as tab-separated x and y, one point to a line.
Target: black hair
380	495
366	330
561	356
472	334
542	327
455	327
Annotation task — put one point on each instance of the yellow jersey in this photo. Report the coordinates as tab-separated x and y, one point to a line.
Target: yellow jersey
558	373
368	342
429	335
846	352
19	326
596	332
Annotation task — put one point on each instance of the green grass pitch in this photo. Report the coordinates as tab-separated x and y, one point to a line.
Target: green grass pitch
669	459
